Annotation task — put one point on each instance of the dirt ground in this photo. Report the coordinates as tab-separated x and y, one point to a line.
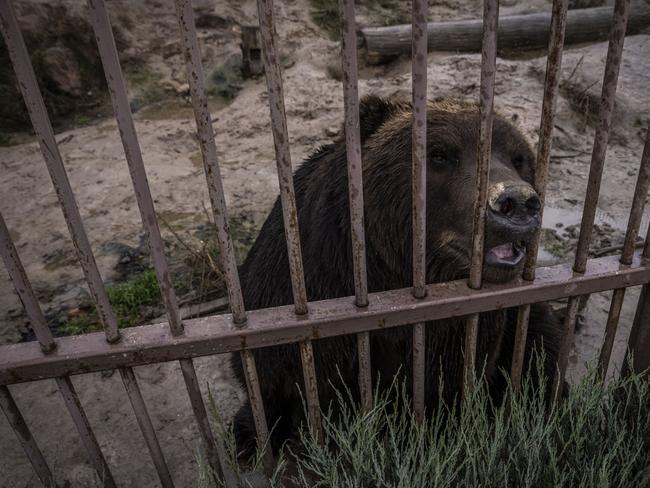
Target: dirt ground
98	172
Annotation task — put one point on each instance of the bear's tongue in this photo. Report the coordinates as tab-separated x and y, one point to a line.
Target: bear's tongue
503	251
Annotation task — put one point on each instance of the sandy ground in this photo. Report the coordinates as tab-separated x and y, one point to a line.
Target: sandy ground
97	169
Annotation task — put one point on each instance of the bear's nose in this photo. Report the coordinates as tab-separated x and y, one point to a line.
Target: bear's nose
517	202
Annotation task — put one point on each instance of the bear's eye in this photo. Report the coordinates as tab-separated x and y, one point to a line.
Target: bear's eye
442	158
518	161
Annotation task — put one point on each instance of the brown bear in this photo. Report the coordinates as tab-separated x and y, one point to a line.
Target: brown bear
322	198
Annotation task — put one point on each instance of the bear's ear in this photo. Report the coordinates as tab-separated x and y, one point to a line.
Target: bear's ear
373	112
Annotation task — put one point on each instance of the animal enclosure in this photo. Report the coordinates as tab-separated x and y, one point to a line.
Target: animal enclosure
304	322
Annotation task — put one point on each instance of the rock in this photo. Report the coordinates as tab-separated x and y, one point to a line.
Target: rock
61	66
332	131
183	89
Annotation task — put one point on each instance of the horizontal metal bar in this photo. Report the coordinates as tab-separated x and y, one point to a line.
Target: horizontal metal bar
215	335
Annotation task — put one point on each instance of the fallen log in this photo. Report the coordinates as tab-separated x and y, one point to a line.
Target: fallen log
516	32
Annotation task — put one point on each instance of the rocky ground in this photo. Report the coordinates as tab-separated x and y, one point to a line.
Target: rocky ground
97	169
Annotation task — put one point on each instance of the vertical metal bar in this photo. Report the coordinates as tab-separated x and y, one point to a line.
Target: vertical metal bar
282	154
24	289
551	88
355	185
205	131
255	397
633	226
208	147
484	150
17	422
108	53
43	129
117	89
144	421
214	448
637	358
88	438
288	198
419	202
599	151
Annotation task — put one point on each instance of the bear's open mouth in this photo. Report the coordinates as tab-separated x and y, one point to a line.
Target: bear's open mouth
509	254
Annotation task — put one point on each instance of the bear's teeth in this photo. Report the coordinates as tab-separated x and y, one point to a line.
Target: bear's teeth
503	251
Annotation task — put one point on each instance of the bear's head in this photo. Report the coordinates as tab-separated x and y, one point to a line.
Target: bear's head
513	213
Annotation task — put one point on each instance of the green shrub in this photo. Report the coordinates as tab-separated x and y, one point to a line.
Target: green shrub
598	436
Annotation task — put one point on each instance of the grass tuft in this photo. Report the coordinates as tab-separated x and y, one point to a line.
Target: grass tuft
598	436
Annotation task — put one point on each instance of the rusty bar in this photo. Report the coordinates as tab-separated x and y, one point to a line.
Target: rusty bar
551	88
311	389
419	372
146	427
523	316
208	147
633	226
288	198
214	448
610	332
119	98
419	175
43	129
637	357
355	185
205	131
17	422
88	439
353	147
24	289
599	151
328	318
117	89
255	397
282	153
484	152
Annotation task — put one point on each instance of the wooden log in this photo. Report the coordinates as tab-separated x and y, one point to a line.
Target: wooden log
516	32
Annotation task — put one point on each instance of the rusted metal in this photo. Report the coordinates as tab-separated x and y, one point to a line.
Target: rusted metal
24	289
551	88
18	424
228	262
599	151
108	53
88	439
208	147
117	89
484	152
637	358
365	372
288	199
255	397
353	147
282	153
523	316
328	318
419	175
311	389
146	427
633	226
214	448
45	135
355	185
